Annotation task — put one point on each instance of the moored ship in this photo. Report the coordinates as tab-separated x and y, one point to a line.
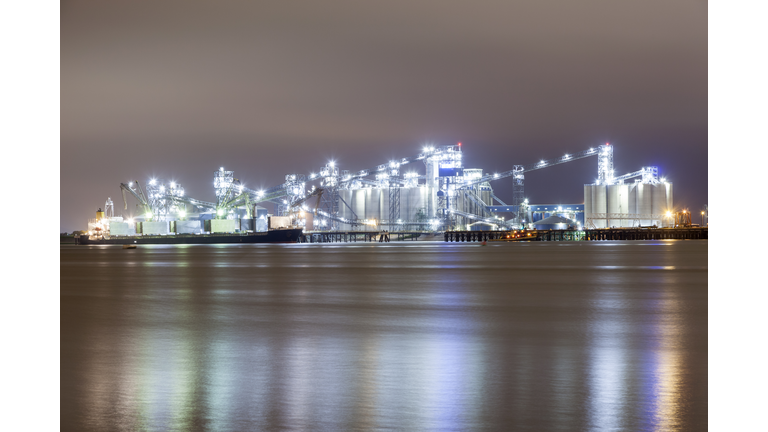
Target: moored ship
288	235
106	230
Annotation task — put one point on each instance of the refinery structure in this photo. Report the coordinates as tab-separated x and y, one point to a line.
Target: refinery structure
431	191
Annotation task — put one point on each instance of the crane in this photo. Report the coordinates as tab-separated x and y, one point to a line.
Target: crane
139	195
294	208
318	192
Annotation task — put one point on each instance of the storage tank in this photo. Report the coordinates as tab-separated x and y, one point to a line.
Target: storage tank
662	198
373	203
599	205
641	202
485	193
367	203
617	201
411	201
652	200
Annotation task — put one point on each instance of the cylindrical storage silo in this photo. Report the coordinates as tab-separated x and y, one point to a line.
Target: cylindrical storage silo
612	203
588	199
600	203
598	206
344	211
662	198
659	199
644	203
376	209
413	201
359	199
485	194
617	203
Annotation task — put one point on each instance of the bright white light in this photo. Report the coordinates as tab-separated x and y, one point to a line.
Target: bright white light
182	213
173	184
331	164
495	176
221	169
152	181
220	212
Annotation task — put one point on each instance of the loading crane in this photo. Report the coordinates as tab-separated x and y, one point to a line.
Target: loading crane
318	192
295	208
139	195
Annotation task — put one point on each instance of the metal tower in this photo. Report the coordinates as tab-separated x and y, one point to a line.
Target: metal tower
329	201
605	165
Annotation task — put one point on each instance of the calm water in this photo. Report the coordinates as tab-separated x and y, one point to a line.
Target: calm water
400	336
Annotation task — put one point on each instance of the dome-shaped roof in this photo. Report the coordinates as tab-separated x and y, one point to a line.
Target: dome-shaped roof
553	222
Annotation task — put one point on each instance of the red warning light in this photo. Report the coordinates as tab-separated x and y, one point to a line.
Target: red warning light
459	144
607	143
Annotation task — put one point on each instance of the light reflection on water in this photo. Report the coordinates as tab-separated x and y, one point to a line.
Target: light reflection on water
410	336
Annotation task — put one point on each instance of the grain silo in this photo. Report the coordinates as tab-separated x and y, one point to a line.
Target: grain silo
373	203
626	205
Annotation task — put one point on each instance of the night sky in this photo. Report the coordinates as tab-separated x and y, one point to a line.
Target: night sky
175	90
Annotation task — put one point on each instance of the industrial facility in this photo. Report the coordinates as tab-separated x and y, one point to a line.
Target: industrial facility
431	191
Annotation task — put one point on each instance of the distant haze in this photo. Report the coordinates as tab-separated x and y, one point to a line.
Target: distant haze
177	89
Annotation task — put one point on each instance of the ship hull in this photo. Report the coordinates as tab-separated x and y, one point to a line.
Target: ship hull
275	236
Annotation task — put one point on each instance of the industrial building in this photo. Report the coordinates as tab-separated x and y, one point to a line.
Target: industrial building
610	202
431	191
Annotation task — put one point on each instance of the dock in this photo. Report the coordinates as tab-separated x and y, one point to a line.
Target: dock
604	234
359	236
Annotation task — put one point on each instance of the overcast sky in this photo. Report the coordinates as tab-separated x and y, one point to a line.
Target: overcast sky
177	89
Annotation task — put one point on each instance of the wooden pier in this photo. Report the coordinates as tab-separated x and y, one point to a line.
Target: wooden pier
358	236
694	233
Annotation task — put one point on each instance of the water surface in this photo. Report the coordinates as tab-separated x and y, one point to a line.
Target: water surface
400	336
